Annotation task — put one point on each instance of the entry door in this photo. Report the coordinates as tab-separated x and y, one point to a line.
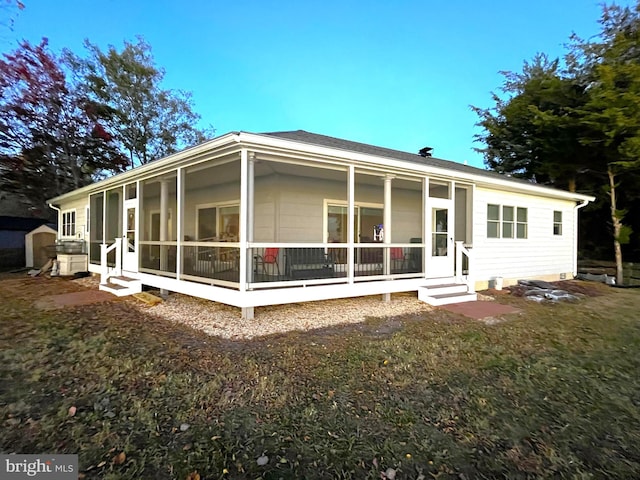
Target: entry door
129	241
442	254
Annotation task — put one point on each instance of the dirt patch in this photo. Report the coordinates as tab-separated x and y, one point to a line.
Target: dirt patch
589	289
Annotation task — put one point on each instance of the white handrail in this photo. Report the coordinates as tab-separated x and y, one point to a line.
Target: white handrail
461	249
104	250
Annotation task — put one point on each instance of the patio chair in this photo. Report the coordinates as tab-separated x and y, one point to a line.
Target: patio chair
398	255
268	257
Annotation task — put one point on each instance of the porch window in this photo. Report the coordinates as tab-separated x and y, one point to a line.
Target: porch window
218	222
557	222
69	223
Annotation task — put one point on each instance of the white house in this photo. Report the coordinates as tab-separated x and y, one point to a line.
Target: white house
252	219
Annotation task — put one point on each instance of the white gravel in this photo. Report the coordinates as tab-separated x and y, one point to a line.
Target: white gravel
224	321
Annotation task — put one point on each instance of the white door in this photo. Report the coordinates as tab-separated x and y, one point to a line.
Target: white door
129	241
441	257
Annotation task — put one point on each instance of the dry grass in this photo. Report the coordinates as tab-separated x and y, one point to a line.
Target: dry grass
552	393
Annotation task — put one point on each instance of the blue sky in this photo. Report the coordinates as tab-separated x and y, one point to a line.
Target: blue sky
398	74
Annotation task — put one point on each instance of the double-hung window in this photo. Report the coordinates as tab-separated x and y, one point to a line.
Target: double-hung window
557	222
506	221
69	223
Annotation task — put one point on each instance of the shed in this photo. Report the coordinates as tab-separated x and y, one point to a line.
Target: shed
36	242
12	238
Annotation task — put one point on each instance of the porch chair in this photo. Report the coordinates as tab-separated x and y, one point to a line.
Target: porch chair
268	257
398	255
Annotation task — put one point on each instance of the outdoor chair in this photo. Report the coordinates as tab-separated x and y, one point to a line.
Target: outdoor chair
267	263
398	256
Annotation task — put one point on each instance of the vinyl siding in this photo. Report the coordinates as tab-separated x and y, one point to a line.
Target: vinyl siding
541	253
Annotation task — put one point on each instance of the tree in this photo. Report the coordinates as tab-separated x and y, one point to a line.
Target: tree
147	121
611	116
576	127
50	142
533	134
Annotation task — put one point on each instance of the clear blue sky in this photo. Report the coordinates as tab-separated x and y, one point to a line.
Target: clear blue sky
399	74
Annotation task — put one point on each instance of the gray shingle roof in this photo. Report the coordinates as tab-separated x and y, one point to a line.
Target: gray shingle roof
338	143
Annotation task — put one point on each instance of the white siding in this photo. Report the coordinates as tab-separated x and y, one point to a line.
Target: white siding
541	254
80	206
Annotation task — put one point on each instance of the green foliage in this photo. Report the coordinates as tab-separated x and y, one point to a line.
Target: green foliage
571	124
50	142
125	90
624	237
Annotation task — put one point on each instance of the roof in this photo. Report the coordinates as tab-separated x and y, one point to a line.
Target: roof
332	142
301	141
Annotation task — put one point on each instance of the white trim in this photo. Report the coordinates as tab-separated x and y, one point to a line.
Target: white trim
278	146
64	224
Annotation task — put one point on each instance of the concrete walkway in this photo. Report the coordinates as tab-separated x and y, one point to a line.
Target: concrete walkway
480	310
87	297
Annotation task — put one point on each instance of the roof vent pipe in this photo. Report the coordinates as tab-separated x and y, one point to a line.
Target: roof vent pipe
425	152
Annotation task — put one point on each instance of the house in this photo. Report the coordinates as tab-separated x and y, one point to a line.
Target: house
252	219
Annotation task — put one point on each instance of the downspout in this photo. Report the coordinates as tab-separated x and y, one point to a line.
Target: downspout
59	222
584	203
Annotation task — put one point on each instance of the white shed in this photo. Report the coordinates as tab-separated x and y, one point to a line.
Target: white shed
36	241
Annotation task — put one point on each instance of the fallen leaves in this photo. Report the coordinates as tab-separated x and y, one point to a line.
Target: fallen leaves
119	459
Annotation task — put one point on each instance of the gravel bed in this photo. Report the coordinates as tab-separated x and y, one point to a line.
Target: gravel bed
224	321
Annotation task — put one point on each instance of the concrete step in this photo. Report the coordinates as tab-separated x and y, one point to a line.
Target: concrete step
446	288
450	298
128	282
445	294
122	286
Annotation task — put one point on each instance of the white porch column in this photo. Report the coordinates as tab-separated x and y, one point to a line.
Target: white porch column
250	195
426	226
351	201
244	227
246	224
164	227
387	230
179	220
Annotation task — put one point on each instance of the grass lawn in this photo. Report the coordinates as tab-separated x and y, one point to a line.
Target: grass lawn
554	392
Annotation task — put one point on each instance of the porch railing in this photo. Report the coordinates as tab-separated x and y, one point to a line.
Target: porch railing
104	266
289	264
283	264
464	265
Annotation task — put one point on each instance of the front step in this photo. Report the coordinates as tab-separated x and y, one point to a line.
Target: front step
446	294
122	286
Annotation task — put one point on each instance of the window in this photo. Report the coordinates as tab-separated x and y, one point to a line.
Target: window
557	222
493	221
521	223
218	223
506	221
69	223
